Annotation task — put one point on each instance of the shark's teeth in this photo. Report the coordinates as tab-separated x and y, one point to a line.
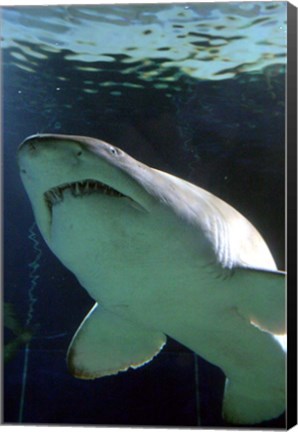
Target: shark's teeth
55	195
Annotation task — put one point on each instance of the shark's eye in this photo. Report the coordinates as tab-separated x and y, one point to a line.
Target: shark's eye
79	153
114	151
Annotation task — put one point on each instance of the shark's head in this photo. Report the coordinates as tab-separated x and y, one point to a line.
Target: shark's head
76	182
52	166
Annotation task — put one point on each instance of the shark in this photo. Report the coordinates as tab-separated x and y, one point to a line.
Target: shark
160	257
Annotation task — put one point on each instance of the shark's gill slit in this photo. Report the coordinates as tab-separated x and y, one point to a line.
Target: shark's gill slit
80	188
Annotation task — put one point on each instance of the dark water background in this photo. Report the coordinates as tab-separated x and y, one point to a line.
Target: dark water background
219	127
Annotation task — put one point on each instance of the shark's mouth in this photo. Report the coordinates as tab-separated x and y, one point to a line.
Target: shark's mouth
55	195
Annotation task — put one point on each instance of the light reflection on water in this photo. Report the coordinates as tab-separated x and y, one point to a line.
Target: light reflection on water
158	43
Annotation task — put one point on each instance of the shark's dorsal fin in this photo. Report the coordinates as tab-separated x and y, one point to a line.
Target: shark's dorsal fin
106	344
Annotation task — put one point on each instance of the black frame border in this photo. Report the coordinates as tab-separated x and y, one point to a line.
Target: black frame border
291	175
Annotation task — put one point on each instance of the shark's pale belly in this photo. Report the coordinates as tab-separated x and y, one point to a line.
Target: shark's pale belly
128	258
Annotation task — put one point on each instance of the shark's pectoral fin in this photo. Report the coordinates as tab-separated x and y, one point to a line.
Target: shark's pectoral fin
106	344
261	298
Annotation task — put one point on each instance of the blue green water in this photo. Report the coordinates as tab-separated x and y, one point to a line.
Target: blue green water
194	89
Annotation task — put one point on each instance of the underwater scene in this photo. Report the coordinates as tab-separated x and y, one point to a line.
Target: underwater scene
195	90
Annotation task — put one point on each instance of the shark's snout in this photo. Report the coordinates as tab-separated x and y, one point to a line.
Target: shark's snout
35	144
28	145
50	159
27	148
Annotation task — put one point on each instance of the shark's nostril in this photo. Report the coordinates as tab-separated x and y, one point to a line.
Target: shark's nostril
29	147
